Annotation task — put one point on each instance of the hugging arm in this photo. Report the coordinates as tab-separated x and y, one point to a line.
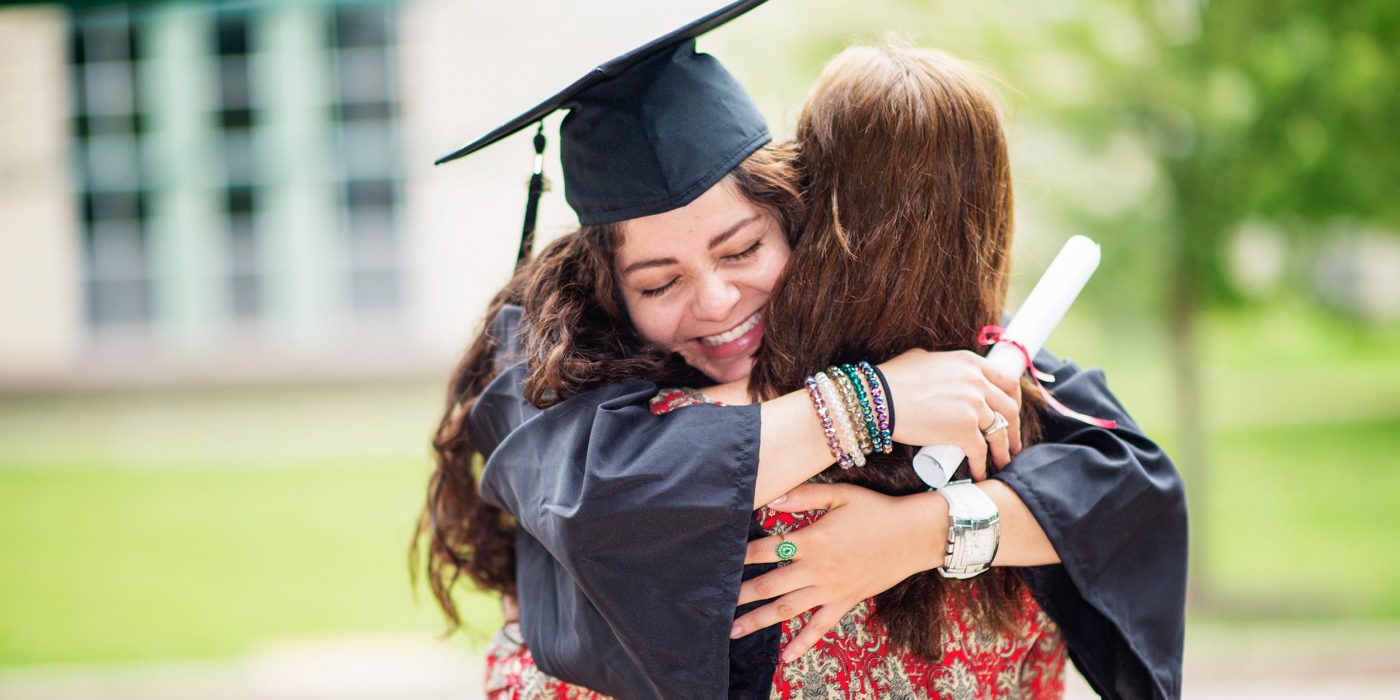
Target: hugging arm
632	527
1096	516
630	533
1114	507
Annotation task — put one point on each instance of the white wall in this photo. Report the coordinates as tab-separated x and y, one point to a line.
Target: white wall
40	282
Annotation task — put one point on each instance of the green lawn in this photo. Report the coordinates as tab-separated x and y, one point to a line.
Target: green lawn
1303	521
206	523
188	538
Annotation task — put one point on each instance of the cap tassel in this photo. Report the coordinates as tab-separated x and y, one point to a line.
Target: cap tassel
538	185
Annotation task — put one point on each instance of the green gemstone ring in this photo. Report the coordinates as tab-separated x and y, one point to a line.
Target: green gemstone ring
787	550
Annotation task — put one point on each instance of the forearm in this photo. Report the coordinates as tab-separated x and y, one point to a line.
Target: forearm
1023	542
792	447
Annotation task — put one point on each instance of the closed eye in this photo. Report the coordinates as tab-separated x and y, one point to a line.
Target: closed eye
658	291
747	252
741	255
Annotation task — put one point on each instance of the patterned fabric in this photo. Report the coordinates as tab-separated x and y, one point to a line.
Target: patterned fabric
855	660
511	673
668	400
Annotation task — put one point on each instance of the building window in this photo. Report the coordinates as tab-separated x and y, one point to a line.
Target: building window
237	191
105	54
235	123
365	111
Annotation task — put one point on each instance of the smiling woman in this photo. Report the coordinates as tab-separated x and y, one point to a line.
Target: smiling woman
696	279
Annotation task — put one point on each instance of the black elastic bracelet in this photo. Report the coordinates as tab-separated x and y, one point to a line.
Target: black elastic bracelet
889	396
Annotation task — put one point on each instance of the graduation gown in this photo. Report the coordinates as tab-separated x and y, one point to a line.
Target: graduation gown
632	528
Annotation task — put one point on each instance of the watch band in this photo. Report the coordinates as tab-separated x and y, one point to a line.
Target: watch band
974	531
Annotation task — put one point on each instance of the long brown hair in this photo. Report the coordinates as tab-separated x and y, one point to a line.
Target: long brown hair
907	244
578	337
461	534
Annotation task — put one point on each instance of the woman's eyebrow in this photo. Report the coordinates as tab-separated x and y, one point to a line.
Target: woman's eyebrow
643	264
715	242
729	232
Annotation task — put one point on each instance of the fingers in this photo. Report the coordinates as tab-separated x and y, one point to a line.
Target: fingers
780	581
784	608
765	550
1013	433
1010	384
1006	401
999	447
976	451
812	497
823	620
1010	409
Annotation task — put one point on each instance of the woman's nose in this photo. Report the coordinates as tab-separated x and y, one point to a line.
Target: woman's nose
715	298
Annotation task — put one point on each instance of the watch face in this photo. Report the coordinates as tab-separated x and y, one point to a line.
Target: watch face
980	545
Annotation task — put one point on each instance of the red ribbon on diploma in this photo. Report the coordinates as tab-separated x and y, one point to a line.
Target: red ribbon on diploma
991	335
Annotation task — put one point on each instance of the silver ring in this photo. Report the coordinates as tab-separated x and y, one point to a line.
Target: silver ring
999	423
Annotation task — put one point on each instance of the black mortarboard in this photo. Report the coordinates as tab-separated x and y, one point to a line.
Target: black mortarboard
647	132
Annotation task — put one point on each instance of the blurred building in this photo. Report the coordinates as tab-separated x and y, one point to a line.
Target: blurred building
201	191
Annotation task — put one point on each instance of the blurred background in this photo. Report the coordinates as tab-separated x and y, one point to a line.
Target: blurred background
232	286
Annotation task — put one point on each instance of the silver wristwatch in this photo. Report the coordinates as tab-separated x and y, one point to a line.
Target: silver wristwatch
974	530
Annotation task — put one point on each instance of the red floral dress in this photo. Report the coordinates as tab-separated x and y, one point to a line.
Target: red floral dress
855	660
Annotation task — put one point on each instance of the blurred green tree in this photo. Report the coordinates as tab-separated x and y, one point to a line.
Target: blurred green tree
1163	127
1278	112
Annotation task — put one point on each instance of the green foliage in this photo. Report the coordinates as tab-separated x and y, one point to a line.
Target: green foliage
1158	127
1255	111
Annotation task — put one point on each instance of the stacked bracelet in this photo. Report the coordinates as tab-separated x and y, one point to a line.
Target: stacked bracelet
853	403
884	410
828	428
845	430
870	429
853	408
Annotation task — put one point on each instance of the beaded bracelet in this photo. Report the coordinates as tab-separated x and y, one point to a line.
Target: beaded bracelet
853	408
828	429
880	398
867	410
844	429
889	398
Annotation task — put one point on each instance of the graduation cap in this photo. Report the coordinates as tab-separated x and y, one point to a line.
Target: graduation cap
647	132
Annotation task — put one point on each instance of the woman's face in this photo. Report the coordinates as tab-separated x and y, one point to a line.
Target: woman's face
696	280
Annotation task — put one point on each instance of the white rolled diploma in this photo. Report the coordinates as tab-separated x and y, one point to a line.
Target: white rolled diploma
1031	326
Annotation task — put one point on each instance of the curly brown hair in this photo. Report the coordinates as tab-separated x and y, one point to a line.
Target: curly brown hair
459	532
579	337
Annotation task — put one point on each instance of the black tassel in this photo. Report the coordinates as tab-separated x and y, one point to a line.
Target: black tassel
538	184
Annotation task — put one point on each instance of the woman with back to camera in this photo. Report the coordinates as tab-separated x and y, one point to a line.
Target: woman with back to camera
984	283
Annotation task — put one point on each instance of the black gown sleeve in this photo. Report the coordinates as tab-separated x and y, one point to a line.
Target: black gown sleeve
1114	507
631	533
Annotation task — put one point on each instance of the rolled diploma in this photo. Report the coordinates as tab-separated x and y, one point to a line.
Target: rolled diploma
1041	312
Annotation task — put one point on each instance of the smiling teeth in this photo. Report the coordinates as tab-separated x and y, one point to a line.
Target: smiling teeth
733	333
